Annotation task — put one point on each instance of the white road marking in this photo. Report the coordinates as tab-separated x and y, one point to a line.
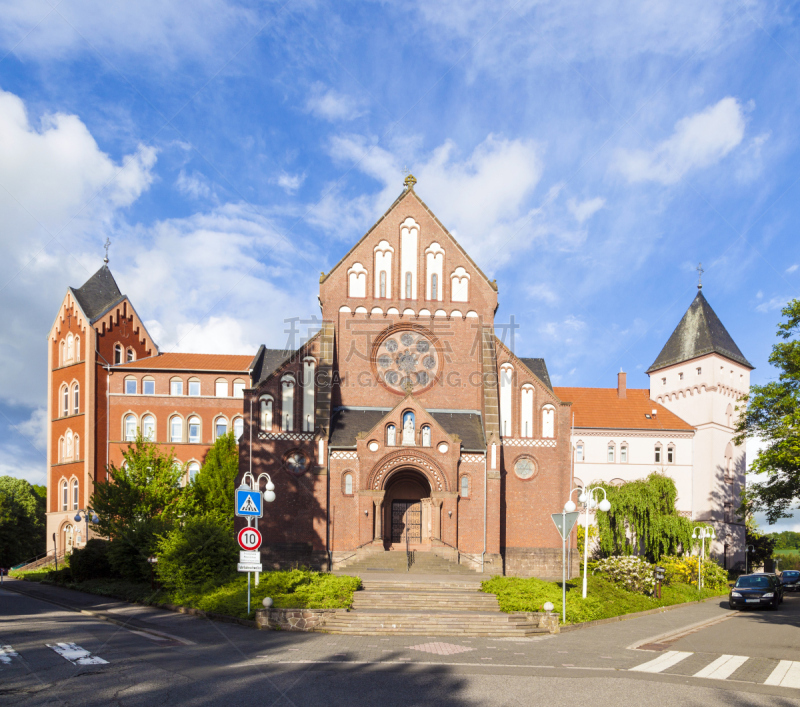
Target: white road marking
786	674
664	661
76	655
723	667
6	654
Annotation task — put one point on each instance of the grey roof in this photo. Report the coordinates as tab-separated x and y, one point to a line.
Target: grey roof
97	294
346	425
538	367
700	332
266	362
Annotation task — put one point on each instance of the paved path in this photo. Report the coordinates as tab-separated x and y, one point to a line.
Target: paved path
50	655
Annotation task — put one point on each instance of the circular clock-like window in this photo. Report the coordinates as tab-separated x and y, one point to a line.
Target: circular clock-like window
296	462
525	468
443	448
373	446
407	359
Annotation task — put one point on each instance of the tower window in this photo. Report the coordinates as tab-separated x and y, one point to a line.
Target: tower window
464	487
383	284
434	286
408	285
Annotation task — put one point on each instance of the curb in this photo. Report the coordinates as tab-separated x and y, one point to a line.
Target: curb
635	615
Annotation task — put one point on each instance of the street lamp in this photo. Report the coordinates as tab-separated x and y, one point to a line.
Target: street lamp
86	516
701	532
747	548
587	498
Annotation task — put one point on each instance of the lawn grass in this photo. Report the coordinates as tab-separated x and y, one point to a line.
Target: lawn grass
787	551
31	575
604	599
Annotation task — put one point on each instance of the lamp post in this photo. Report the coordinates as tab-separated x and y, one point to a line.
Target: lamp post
587	498
701	532
86	516
747	548
254	484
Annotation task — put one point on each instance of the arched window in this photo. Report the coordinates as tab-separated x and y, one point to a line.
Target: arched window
76	399
64	495
426	436
616	482
611	452
175	386
148	386
64	401
69	448
309	366
383	268
382	292
287	403
194	430
238	388
220	427
194	387
623	453
357	281
348	484
409	237
149	427
130	428
526	411
391	436
434	267
193	470
176	430
506	394
70	348
464	486
266	413
409	281
130	386
579	452
657	454
548	421
434	287
670	454
130	355
117	354
75	495
238	428
459	285
221	388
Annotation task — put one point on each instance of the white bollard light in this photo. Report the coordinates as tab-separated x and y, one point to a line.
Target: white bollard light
267	602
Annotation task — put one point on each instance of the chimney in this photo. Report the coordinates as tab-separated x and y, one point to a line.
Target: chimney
621	385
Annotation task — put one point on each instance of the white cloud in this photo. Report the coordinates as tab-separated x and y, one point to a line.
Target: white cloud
35	428
543	293
194	185
291	182
773	304
792	268
584	210
331	105
699	141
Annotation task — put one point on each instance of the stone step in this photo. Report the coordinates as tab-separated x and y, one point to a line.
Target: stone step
378	585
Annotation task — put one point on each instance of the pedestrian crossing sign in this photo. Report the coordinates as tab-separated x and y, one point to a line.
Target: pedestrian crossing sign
248	503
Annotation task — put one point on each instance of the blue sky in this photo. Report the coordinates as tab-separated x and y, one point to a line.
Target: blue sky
587	155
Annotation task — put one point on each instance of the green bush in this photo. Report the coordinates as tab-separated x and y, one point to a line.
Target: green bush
200	552
91	561
683	570
630	572
130	550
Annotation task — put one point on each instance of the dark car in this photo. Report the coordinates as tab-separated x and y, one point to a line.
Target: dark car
790	580
753	590
775	580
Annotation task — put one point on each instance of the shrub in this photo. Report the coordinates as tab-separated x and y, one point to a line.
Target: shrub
632	573
130	550
683	570
91	561
202	551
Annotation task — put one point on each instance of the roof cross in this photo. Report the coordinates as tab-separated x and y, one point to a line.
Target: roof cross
106	245
700	272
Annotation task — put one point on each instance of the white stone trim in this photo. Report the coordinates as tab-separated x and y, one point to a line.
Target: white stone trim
344	455
526	442
472	458
293	436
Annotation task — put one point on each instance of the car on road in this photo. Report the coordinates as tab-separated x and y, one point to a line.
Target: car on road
790	580
754	590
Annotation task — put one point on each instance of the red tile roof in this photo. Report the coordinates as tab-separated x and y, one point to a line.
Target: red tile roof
603	408
193	362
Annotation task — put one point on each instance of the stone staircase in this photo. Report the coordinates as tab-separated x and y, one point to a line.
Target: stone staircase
454	607
397	562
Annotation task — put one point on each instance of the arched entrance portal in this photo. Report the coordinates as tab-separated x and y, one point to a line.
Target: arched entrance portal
407	511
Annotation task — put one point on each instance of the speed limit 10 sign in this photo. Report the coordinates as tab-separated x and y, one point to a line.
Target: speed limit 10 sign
249	539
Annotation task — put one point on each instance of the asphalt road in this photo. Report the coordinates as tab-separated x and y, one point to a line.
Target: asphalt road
161	658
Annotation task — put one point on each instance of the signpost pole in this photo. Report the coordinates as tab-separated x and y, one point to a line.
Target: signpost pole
248	594
563	568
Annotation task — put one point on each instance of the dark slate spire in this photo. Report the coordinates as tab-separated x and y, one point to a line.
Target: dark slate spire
700	332
97	294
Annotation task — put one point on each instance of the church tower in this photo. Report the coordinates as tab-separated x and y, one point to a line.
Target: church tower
700	375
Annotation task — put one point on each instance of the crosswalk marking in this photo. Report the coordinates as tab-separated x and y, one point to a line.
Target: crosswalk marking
657	665
75	654
722	668
6	654
786	674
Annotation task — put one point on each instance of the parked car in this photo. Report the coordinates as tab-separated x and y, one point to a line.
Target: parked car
754	590
790	580
777	581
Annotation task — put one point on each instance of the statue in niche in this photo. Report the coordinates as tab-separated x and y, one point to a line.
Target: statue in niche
391	436
426	436
408	429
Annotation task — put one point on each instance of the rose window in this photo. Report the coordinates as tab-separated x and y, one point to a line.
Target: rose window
407	361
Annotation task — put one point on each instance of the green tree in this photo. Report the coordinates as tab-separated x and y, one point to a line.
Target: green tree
215	483
772	415
22	521
762	545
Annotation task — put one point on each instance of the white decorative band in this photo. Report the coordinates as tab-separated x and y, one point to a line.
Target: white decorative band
344	455
621	432
509	442
472	458
294	436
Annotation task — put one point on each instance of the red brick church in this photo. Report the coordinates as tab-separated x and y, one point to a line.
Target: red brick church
404	421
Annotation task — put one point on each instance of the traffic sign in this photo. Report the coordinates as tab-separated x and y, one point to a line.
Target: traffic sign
249	539
249	556
565	522
249	567
249	503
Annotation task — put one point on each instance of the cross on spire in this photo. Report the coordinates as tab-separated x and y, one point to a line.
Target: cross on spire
106	245
700	272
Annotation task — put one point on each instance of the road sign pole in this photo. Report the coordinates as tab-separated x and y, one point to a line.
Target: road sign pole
563	569
248	595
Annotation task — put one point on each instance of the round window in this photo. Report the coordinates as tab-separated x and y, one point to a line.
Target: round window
373	446
443	448
407	360
296	462
524	468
